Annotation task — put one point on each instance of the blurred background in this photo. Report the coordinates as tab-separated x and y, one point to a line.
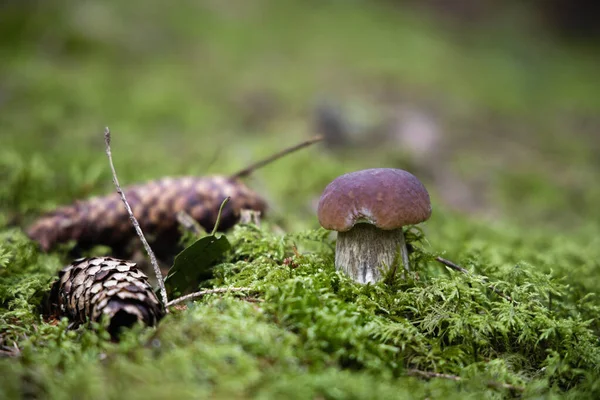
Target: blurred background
494	105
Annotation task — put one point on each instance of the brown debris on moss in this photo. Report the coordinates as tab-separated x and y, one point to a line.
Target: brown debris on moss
104	220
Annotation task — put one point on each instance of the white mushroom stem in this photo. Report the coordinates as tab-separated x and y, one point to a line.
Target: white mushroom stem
366	253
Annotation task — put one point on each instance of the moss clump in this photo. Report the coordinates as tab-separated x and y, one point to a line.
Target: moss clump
313	332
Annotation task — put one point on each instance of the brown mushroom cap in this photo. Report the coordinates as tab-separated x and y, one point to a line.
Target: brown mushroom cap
385	197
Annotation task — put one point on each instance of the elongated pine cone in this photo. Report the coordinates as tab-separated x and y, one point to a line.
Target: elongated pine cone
104	220
91	288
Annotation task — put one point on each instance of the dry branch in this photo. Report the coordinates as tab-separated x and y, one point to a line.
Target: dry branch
248	170
201	293
134	221
456	378
484	279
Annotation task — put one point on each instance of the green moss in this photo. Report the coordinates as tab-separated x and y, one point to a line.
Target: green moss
183	90
315	332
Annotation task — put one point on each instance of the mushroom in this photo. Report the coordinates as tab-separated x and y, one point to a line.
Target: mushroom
368	209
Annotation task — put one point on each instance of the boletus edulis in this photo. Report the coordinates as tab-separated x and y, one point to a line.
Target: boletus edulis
368	209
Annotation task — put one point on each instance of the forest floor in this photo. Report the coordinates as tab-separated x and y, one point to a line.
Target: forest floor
500	121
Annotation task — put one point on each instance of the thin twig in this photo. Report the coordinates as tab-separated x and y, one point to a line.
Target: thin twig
134	221
8	351
253	300
218	221
451	265
248	216
502	385
201	293
429	375
484	279
189	223
456	378
248	170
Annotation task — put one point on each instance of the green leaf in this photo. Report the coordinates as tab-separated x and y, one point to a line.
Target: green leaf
194	263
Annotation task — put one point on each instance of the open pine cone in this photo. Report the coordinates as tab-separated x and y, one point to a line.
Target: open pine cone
90	288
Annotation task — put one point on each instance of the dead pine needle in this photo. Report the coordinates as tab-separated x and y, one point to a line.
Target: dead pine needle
8	351
201	293
430	375
136	225
484	279
456	378
248	170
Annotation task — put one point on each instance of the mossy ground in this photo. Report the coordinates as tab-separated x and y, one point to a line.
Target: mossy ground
205	88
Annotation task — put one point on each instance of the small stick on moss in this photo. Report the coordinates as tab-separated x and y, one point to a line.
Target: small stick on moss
455	378
248	170
9	351
248	216
188	223
201	293
218	221
451	265
484	279
136	225
253	300
429	375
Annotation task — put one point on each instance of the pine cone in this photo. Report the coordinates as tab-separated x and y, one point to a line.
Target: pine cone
90	288
104	220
